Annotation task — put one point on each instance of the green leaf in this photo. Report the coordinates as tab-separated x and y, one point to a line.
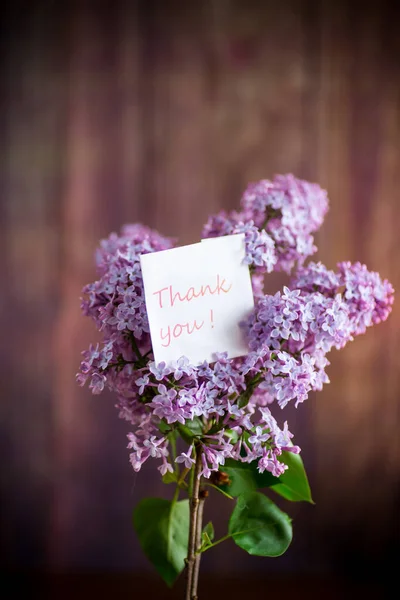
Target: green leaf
244	399
293	484
244	477
207	536
258	526
191	429
208	530
164	427
170	477
163	531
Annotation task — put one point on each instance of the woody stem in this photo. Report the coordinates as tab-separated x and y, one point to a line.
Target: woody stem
191	592
199	527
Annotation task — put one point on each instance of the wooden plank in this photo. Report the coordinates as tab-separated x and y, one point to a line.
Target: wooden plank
354	416
103	164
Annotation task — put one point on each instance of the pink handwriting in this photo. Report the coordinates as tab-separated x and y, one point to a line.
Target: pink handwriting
191	293
177	331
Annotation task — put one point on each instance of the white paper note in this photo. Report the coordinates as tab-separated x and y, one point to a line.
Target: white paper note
196	297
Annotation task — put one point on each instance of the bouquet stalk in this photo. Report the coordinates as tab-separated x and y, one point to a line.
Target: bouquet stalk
216	424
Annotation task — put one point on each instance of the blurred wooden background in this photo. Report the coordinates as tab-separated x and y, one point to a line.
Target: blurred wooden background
161	112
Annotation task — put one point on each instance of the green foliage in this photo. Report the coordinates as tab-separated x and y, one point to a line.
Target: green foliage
209	530
244	477
293	484
163	531
170	477
207	535
258	526
191	429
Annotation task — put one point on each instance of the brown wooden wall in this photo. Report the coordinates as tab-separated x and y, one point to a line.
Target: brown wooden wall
161	112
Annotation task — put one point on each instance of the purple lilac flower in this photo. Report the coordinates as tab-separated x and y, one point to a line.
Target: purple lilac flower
299	322
289	209
285	212
221	224
315	277
368	297
182	367
142	382
260	247
290	328
257	283
160	371
289	335
186	458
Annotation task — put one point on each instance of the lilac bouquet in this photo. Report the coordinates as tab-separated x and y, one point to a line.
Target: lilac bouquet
214	424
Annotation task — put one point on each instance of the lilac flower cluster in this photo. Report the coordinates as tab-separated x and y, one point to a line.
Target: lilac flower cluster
321	311
367	297
116	304
279	216
225	407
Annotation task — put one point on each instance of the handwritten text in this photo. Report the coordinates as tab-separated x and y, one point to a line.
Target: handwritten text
168	297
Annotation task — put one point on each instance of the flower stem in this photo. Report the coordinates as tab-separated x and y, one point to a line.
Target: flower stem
191	592
176	495
136	348
227	537
220	491
199	528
